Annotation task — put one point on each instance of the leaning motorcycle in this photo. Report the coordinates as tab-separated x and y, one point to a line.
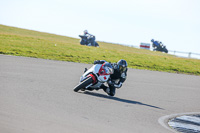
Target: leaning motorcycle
161	48
94	77
85	41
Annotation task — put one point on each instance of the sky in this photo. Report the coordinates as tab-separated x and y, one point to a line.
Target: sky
176	23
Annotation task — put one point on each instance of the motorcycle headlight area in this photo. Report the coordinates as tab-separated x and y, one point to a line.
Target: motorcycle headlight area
108	68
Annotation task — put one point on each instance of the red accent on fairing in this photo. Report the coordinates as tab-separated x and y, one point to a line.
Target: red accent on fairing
93	77
102	71
104	77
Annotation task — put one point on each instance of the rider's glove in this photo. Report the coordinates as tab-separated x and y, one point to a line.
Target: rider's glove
89	37
118	85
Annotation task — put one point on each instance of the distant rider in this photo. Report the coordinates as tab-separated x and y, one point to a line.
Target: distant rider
117	78
90	37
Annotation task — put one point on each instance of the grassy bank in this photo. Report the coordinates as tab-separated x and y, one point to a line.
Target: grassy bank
21	42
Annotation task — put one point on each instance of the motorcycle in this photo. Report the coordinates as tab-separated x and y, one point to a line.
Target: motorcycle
85	41
161	48
94	77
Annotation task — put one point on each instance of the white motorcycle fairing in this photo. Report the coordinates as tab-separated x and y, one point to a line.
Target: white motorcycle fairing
99	73
95	77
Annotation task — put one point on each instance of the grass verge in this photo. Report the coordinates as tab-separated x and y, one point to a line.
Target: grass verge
21	42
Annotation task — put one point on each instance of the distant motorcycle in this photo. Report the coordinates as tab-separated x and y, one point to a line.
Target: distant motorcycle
93	78
161	48
87	41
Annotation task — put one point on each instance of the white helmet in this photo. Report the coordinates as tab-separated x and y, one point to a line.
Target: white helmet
85	31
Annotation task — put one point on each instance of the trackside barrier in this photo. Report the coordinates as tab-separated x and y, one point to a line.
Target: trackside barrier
172	52
185	54
176	53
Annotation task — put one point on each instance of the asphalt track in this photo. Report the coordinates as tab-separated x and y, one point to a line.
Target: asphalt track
36	96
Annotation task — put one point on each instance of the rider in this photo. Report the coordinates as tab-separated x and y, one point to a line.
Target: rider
117	78
90	37
161	44
156	43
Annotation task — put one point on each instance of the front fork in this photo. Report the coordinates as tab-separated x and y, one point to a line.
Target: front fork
89	85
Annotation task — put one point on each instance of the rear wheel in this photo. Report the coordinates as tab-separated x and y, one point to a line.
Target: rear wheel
83	84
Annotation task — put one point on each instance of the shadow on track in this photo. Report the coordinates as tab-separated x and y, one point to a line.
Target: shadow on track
119	99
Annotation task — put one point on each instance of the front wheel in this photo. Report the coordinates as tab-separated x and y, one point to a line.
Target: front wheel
166	51
96	44
83	84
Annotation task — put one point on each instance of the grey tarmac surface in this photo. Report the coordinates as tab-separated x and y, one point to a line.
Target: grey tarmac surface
36	96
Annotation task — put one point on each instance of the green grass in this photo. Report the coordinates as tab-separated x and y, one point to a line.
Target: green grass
21	42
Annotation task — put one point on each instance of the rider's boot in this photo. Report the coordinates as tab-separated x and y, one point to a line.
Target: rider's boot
107	90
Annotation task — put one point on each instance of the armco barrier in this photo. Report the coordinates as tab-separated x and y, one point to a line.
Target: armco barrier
176	53
185	54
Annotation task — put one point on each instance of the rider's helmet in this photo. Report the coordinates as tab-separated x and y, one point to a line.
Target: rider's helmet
85	32
152	40
122	65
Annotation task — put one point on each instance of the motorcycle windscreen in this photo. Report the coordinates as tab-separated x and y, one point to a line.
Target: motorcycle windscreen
106	69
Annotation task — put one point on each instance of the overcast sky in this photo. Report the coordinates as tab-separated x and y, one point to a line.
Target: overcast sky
174	22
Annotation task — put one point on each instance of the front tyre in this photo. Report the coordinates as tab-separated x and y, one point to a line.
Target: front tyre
165	50
96	44
83	84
